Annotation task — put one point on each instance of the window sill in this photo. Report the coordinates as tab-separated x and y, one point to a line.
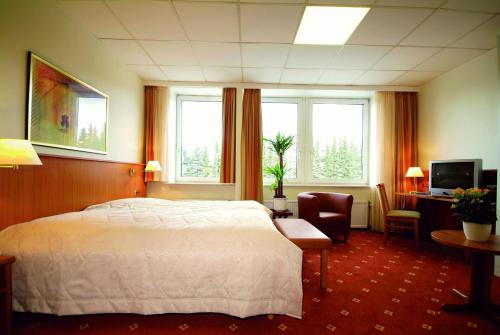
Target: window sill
181	183
324	185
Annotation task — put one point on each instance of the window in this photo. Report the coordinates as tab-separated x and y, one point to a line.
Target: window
199	137
280	115
331	137
337	141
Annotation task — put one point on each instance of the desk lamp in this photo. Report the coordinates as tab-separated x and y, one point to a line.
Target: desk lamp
414	172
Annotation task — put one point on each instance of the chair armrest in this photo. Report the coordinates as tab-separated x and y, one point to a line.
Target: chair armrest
308	207
341	203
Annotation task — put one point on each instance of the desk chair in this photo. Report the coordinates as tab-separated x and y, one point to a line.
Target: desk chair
400	219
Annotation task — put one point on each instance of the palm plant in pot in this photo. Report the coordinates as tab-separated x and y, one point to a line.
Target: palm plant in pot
280	144
477	210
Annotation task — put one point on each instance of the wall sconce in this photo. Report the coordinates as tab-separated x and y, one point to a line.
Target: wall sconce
152	166
15	152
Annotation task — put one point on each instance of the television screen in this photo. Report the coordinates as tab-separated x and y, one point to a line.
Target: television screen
451	175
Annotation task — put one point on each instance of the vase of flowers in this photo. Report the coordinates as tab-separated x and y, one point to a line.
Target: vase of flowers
476	210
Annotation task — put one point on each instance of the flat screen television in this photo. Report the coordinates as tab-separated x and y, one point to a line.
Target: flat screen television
447	175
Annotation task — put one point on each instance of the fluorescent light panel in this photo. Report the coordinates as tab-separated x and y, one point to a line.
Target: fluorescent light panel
329	25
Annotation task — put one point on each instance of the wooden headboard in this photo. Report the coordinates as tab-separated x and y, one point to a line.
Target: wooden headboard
64	184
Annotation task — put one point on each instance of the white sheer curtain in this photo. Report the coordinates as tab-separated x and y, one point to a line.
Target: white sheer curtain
155	130
384	154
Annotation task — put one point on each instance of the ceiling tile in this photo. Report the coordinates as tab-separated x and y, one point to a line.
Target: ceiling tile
444	27
415	78
404	58
300	76
479	5
183	73
154	20
411	3
128	51
312	56
261	75
264	54
259	22
358	56
223	74
148	72
339	77
378	77
448	59
484	37
170	52
387	26
95	17
217	54
343	2
209	21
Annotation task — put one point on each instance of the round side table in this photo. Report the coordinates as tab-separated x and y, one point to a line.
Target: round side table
481	272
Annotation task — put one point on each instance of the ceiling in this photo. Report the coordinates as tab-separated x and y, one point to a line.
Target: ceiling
399	42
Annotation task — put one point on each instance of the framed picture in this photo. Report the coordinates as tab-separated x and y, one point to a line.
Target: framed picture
65	112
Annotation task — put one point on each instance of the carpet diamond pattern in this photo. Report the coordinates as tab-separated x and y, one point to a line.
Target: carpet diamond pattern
372	290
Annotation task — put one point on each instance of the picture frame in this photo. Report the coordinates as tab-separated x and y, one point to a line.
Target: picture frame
63	111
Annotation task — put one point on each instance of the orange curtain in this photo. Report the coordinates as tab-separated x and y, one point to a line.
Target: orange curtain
155	113
227	167
406	141
251	147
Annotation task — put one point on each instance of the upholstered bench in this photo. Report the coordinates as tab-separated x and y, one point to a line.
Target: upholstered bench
306	236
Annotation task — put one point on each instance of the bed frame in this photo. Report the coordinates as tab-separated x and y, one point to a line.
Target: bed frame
64	184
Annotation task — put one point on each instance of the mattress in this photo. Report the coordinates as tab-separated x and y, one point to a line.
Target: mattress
153	256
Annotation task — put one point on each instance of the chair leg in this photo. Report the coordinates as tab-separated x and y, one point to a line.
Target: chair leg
345	237
386	233
416	234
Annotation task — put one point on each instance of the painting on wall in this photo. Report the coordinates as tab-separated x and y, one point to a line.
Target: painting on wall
65	112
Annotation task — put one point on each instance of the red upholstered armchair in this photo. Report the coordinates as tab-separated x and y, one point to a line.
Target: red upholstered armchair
329	212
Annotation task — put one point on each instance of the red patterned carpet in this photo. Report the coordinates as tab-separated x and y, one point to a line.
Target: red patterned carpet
372	290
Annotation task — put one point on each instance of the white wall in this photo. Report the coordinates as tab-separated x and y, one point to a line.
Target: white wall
457	115
40	26
497	258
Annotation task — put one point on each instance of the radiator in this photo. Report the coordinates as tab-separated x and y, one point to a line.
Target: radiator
359	213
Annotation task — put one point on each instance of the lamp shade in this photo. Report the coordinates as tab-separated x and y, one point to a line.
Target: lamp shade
152	166
414	171
15	152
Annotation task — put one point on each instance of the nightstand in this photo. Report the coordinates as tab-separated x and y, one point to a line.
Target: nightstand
6	294
281	214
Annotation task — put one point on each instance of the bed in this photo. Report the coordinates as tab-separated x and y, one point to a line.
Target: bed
153	256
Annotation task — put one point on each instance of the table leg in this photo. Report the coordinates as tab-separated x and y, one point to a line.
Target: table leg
479	300
324	268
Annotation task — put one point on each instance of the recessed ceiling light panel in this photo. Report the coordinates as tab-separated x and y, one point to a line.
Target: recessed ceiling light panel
329	25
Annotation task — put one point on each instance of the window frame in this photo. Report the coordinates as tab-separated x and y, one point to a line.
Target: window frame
305	141
365	142
298	140
178	138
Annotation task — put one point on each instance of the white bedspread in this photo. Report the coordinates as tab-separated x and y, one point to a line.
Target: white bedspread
152	256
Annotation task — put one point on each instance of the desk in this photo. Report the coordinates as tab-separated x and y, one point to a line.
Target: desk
436	213
481	271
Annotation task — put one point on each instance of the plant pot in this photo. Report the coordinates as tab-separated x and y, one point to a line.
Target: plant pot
477	232
279	204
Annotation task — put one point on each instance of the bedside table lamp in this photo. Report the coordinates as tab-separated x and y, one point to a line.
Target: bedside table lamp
414	172
152	166
15	152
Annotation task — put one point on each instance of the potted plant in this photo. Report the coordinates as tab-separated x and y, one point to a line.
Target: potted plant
280	144
477	212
